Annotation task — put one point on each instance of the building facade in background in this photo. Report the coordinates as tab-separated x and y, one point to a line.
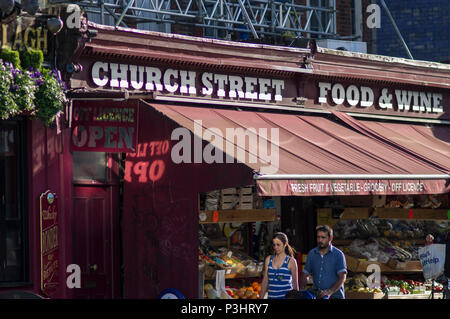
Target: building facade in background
424	26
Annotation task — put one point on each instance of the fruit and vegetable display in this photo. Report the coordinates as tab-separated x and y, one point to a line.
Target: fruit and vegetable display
382	250
405	287
251	291
392	286
234	263
392	230
358	283
385	240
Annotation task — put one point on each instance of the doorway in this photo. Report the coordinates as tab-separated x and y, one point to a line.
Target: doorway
95	224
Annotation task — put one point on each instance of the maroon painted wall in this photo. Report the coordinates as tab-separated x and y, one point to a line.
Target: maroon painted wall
49	164
160	213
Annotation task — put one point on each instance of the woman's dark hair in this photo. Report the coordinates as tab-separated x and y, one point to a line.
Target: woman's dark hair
284	239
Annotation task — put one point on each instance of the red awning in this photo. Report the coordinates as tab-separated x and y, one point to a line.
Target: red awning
304	155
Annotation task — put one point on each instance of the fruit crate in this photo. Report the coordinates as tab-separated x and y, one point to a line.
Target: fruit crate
228	198
364	295
245	198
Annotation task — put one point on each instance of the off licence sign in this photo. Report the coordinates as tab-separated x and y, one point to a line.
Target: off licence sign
104	126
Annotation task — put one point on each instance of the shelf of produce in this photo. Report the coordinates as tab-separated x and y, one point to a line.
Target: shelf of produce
414	296
347	242
359	265
411	213
363	295
234	276
236	216
325	215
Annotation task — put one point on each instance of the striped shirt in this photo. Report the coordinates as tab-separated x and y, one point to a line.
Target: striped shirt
280	280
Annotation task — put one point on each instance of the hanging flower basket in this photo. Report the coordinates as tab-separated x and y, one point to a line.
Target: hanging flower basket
31	92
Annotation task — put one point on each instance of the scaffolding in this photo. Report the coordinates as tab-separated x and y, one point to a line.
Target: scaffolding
250	19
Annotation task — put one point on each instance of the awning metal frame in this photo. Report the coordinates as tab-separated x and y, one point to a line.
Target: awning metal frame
257	176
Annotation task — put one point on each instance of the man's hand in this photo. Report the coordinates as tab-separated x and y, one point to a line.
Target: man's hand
325	293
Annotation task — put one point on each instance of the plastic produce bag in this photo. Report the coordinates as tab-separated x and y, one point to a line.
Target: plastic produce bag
432	258
220	284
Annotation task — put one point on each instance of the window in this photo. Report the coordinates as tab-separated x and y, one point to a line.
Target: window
13	220
90	166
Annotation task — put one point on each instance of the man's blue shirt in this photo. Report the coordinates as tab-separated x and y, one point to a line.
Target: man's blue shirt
325	269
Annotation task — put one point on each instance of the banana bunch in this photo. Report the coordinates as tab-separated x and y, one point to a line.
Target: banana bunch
366	289
358	283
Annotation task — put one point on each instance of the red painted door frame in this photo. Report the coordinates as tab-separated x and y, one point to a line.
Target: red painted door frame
95	235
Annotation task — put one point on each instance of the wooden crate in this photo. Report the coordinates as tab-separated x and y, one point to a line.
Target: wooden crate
412	265
413	213
246	198
395	264
228	198
426	295
238	216
359	265
356	213
324	217
356	201
363	295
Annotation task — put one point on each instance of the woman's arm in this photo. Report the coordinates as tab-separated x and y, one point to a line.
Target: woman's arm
294	272
265	281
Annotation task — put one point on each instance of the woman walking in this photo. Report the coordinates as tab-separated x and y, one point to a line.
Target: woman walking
280	271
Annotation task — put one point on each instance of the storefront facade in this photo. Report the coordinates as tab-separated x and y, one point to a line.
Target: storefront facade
307	95
32	167
146	132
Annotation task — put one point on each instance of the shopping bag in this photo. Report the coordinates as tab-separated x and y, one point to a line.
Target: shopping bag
432	258
220	285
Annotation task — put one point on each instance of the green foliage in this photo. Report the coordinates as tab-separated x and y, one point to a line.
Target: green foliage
32	59
8	106
50	97
8	55
30	92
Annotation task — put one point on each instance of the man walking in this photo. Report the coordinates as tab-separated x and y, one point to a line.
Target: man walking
326	264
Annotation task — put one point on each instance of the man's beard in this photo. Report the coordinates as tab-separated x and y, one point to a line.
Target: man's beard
323	246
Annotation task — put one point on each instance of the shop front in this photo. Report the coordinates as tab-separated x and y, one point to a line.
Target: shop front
380	172
299	129
129	76
34	191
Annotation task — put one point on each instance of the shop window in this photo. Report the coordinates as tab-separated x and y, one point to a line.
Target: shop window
13	223
90	166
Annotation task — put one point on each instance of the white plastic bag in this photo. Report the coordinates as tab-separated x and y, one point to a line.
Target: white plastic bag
432	258
220	285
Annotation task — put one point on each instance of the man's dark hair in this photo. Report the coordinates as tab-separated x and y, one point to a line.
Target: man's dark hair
326	229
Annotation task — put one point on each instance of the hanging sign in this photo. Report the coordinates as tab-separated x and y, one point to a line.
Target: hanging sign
49	243
104	126
350	187
25	33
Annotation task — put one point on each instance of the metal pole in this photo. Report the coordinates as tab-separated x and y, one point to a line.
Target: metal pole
124	12
247	19
396	29
350	176
432	288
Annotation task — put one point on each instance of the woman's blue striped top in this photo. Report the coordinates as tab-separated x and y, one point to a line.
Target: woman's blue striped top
280	280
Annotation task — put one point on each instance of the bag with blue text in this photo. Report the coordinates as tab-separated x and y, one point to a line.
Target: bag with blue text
432	258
